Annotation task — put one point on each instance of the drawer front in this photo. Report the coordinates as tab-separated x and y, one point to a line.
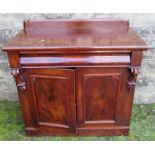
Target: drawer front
74	59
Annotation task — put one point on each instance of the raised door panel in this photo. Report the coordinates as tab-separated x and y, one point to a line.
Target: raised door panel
54	100
100	100
100	96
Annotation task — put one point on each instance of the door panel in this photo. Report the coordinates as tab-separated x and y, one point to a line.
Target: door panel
101	93
54	99
100	99
51	100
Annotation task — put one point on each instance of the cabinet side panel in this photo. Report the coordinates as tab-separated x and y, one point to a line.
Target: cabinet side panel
24	92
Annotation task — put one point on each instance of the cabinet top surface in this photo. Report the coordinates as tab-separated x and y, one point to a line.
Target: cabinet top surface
75	35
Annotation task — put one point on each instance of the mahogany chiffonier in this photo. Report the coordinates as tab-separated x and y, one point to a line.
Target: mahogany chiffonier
76	77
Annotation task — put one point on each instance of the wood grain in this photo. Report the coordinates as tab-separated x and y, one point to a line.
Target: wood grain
76	77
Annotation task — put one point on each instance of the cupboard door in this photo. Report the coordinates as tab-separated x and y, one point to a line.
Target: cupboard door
53	100
101	108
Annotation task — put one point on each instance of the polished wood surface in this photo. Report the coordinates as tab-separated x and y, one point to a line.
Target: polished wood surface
99	98
59	28
75	60
76	77
53	98
75	35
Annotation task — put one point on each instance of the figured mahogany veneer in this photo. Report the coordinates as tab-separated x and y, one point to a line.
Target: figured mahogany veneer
76	77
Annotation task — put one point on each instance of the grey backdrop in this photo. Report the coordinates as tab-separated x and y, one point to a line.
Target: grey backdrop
144	24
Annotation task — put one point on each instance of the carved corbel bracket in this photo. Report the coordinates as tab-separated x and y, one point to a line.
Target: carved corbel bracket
134	71
18	75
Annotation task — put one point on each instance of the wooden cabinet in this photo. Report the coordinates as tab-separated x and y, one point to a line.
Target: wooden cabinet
76	77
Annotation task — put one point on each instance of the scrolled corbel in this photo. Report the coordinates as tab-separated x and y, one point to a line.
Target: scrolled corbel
134	71
19	77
